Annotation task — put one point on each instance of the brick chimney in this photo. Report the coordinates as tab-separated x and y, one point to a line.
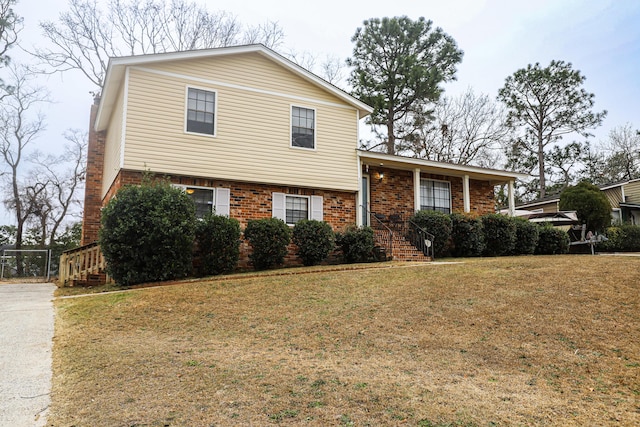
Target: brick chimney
93	184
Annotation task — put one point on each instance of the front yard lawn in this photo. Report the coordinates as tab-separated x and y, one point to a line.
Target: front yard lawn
505	341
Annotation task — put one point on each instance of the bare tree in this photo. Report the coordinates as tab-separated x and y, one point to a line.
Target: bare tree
62	178
622	153
467	129
85	36
19	126
10	25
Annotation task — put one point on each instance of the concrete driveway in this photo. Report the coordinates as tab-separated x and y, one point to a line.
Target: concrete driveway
26	333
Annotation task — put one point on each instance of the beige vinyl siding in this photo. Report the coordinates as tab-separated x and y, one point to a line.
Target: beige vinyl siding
251	70
632	192
614	195
252	140
549	207
113	145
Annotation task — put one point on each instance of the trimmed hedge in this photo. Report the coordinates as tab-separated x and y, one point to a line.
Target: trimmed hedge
526	237
356	244
622	238
269	239
147	234
440	225
315	241
499	234
552	241
467	237
217	245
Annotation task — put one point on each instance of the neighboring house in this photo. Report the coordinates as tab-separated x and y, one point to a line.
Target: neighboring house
623	196
625	200
252	135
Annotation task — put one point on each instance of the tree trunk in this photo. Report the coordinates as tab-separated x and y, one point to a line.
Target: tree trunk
543	183
391	138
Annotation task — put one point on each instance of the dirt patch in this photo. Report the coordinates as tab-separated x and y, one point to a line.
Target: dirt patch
524	341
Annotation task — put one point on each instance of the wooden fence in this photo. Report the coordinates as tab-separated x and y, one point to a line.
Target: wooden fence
82	266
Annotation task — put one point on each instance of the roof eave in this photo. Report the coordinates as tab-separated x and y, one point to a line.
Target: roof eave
450	169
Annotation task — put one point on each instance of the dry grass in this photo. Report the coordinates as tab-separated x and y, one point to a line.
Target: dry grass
508	341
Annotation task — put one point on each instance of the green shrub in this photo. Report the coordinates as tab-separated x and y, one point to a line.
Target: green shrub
269	239
467	237
217	247
552	241
614	240
147	234
526	237
439	224
623	238
315	241
631	238
356	244
499	234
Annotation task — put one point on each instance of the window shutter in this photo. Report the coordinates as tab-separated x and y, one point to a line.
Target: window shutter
222	201
316	208
279	206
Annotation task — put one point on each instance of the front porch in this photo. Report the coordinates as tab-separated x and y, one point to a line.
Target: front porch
393	188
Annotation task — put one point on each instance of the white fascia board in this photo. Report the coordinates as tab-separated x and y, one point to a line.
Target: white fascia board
454	169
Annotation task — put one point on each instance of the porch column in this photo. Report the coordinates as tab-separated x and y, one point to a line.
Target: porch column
512	200
359	200
416	190
465	194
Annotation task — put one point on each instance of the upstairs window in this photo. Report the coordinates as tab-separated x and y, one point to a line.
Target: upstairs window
435	195
201	107
303	125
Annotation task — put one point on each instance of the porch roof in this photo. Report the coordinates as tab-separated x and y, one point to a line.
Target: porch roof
494	176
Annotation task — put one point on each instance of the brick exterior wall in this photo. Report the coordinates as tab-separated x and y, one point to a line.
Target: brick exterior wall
93	182
254	201
394	193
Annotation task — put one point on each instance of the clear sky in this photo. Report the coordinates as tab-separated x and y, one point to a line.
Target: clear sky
600	38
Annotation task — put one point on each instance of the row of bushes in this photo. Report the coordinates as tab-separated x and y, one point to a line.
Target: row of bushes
489	235
150	233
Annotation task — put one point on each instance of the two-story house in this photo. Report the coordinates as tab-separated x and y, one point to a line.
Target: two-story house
252	135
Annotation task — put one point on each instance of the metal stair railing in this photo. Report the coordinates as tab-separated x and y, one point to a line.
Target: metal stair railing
384	236
421	239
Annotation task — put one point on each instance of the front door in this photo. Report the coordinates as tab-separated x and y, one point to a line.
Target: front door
365	200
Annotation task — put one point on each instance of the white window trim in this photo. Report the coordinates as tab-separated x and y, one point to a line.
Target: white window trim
215	111
216	196
315	128
315	206
438	180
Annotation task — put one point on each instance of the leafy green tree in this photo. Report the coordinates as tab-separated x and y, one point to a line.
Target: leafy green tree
399	65
591	205
546	104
